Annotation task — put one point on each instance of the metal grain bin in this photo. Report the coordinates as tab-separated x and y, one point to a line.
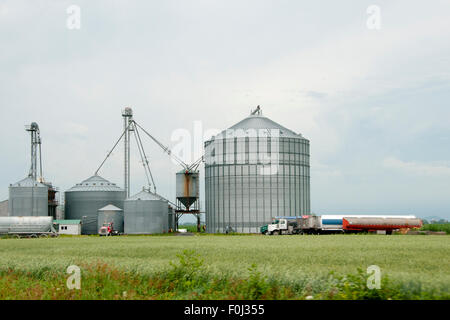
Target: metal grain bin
28	198
83	201
187	190
254	171
25	224
145	213
110	214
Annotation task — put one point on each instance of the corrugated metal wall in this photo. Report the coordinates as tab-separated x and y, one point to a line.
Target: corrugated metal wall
146	216
28	201
171	219
244	191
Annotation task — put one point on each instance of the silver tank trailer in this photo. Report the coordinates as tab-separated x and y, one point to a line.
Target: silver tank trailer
187	190
26	225
110	214
145	213
28	198
83	201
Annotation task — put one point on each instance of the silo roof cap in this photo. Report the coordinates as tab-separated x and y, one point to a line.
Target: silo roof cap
261	124
146	195
110	207
95	183
28	182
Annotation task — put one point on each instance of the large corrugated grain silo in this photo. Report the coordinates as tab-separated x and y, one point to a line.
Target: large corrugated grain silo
28	198
254	171
83	201
146	213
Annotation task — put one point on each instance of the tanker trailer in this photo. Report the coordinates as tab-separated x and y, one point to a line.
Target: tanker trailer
376	223
27	226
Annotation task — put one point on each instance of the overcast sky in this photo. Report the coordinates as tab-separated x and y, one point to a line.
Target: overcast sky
374	103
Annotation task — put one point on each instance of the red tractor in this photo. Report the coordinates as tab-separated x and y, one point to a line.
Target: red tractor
108	230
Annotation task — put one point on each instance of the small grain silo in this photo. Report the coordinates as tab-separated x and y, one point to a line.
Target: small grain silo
28	198
146	213
110	214
187	191
254	171
84	200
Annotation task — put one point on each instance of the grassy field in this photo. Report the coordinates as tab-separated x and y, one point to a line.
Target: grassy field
300	265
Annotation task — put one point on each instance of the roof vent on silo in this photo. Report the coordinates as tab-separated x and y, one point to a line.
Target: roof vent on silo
259	123
95	183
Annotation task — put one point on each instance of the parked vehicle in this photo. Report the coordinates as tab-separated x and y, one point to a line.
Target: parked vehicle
108	230
339	224
29	226
281	226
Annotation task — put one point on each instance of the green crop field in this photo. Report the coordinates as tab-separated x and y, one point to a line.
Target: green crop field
417	266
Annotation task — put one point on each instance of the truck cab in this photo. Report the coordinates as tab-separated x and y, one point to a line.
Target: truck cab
107	230
276	227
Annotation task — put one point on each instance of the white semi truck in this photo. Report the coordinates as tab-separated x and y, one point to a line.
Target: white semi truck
281	226
339	224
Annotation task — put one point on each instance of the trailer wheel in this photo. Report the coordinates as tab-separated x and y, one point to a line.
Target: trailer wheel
33	236
16	236
43	235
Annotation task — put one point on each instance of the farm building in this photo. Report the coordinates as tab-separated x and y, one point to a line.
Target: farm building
72	227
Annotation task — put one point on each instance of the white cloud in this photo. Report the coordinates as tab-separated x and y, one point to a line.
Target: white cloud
417	168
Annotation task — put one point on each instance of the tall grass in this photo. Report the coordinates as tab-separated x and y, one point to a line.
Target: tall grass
299	266
188	278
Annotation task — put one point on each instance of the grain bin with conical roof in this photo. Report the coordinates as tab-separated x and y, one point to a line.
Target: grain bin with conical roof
83	201
28	198
146	213
254	171
110	214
